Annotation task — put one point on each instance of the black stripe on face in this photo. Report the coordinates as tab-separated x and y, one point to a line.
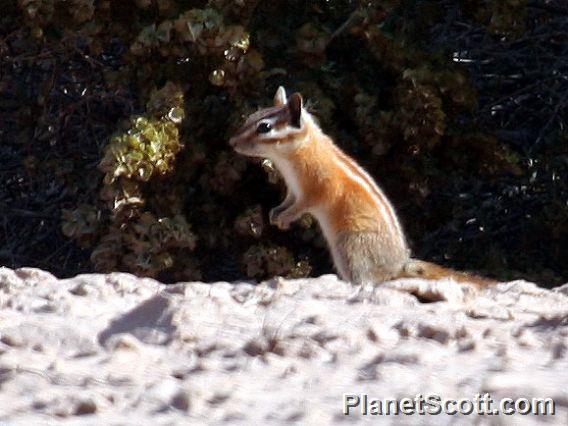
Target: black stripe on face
279	115
287	138
265	113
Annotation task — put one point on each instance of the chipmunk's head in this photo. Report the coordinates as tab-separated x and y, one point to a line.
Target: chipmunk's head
273	131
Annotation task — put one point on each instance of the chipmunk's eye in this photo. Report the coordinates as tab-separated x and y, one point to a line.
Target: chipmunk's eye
264	127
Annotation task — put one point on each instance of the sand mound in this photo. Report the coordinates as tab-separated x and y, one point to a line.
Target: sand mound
116	349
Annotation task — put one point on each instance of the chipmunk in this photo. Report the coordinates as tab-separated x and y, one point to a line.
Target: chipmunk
360	225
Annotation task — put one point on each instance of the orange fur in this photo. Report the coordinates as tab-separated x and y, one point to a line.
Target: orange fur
359	223
431	271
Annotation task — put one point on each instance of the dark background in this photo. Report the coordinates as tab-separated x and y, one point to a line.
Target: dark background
457	108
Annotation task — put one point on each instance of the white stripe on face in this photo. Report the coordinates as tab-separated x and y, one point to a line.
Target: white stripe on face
275	134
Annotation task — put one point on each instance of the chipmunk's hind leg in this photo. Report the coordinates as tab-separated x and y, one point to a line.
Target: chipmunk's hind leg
367	259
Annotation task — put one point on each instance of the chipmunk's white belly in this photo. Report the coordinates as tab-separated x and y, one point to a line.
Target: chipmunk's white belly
324	221
290	176
321	215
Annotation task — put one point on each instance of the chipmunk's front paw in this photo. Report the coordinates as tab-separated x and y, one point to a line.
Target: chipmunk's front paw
278	219
273	215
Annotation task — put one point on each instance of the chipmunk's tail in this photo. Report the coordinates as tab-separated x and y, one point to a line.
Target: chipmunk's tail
415	268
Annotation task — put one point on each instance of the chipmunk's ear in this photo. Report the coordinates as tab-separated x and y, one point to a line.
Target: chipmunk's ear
280	97
295	106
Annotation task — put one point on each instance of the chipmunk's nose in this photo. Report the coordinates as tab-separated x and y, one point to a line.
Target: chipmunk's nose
233	141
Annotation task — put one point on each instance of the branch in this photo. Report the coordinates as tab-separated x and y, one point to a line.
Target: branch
549	6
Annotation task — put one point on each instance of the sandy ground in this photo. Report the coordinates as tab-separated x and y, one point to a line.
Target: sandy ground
116	349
